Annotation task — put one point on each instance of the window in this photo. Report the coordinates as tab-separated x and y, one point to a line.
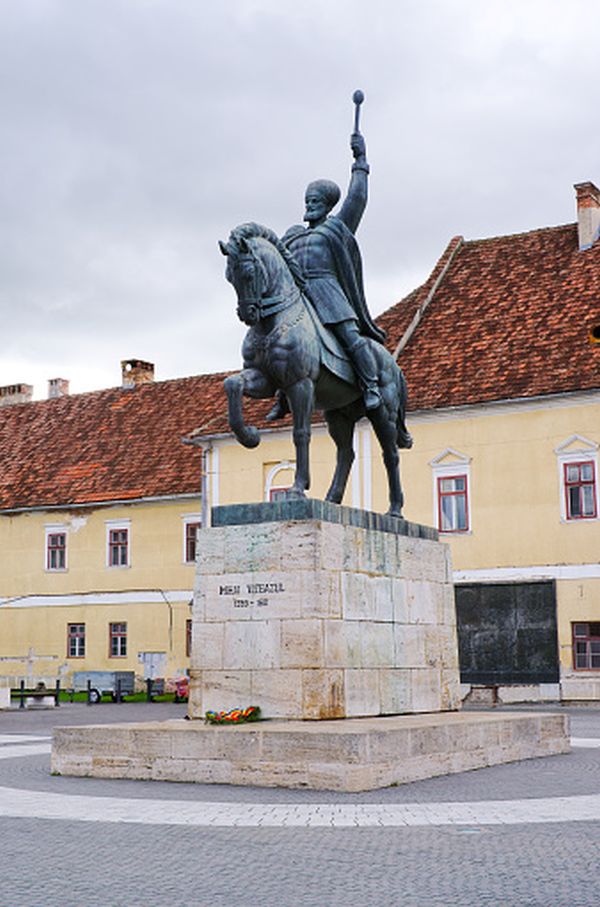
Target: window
278	493
191	524
118	543
452	504
56	550
580	490
191	542
451	472
118	640
188	637
118	547
577	459
586	646
75	640
279	478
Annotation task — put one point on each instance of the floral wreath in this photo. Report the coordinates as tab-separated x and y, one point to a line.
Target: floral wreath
235	716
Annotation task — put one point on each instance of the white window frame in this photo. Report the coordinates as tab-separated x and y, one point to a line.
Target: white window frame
112	525
451	464
119	636
56	529
186	519
270	483
76	623
576	449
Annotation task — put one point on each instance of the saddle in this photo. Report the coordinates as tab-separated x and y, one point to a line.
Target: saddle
333	356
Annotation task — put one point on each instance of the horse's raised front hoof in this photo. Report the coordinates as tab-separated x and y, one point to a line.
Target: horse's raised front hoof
249	436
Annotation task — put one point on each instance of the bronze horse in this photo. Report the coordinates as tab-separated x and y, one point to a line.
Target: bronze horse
287	349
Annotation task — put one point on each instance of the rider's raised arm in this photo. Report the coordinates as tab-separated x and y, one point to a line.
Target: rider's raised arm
356	200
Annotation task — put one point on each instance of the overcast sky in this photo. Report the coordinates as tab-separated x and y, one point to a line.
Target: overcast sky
136	133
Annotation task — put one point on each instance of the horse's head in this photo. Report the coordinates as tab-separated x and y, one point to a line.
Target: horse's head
248	275
263	272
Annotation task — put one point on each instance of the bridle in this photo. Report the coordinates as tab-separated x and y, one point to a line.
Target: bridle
265	306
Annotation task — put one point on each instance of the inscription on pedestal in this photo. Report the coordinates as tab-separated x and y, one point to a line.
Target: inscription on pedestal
238	591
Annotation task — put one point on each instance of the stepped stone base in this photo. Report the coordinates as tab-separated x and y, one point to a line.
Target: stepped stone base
345	755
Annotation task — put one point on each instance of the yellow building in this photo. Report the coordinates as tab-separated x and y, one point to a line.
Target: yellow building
100	504
501	348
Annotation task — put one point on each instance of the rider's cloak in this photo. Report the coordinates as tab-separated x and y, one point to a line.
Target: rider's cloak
348	265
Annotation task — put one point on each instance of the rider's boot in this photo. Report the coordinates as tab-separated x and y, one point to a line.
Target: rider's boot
280	409
364	362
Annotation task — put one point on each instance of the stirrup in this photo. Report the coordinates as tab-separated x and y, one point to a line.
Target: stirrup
279	410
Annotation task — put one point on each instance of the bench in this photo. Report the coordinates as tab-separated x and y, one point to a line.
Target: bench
40	697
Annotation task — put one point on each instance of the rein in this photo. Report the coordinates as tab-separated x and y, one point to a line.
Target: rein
267	305
270	305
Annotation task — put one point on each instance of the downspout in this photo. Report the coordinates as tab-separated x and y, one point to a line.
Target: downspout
204	483
207	449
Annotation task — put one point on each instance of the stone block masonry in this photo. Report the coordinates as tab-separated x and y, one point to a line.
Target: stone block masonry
315	611
352	755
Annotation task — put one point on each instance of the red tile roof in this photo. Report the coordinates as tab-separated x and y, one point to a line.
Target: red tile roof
116	444
500	318
510	318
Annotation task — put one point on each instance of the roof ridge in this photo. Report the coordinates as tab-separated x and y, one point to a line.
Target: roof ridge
488	239
12	407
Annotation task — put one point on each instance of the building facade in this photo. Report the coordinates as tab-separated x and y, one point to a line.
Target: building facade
99	499
100	505
501	349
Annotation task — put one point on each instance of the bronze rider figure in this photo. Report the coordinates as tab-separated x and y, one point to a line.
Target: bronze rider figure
329	258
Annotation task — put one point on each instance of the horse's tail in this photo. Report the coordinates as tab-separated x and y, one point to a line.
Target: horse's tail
403	436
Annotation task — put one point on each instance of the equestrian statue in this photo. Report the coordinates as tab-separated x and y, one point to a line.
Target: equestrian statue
311	341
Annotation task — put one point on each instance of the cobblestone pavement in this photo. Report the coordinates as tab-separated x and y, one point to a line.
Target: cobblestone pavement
523	834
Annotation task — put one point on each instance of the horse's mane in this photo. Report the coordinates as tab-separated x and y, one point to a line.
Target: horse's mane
258	231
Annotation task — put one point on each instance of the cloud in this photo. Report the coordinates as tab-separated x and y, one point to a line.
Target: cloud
137	134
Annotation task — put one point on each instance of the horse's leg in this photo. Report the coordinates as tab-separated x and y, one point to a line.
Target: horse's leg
384	423
341	429
251	383
301	398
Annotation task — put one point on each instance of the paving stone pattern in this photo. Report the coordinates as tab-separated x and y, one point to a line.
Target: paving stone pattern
47	863
136	866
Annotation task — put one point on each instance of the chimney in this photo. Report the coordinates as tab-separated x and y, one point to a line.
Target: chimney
15	393
588	214
134	372
57	387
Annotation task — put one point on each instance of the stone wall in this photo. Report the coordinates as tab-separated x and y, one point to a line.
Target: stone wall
315	619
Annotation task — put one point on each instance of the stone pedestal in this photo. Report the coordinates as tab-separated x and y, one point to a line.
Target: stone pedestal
315	611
